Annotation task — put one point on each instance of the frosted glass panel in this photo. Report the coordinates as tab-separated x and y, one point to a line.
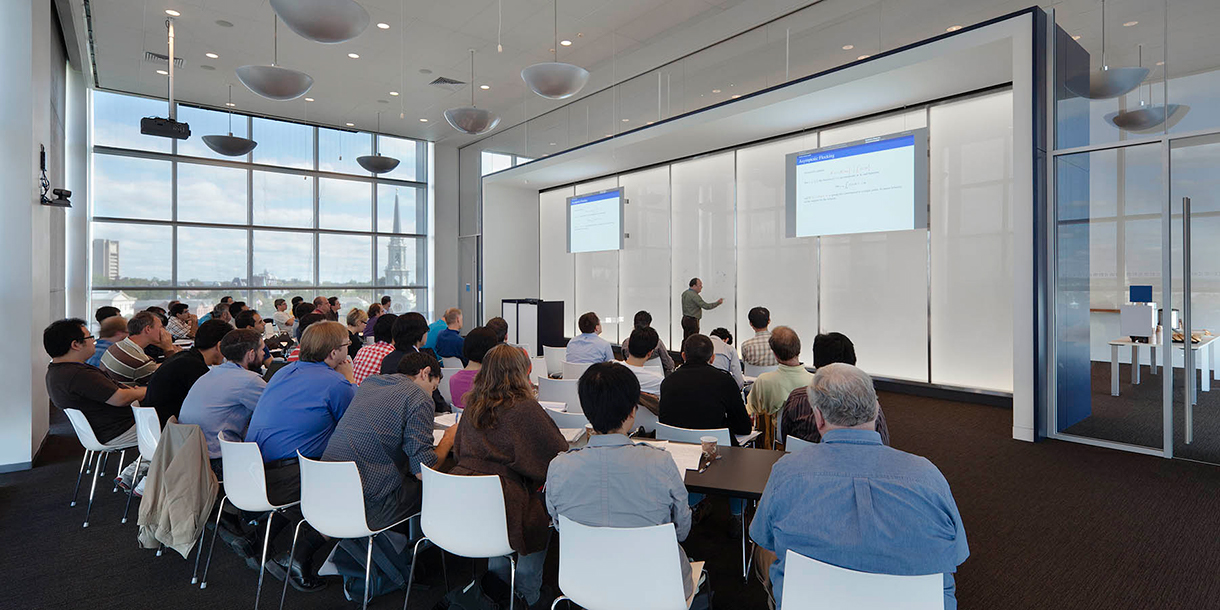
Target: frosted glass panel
874	127
704	239
597	276
773	271
555	265
972	242
644	266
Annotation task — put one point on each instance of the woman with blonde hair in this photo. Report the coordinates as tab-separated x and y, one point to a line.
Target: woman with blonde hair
356	319
505	432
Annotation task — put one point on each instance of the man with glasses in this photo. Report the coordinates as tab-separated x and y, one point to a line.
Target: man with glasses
72	384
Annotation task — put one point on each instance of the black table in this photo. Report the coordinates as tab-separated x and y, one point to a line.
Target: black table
742	472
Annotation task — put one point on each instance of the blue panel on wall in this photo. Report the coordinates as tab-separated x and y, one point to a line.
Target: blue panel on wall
1141	294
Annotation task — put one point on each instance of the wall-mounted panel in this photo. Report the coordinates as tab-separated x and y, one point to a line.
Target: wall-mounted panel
556	268
644	265
596	279
704	237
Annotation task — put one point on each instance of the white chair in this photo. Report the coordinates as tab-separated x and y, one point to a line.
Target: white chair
793	444
810	584
332	500
447	374
148	434
560	390
537	369
464	515
655	363
246	489
687	435
567	420
573	370
755	371
450	362
645	419
84	433
638	560
554	356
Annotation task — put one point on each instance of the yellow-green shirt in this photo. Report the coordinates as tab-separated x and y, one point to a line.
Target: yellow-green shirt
772	389
693	304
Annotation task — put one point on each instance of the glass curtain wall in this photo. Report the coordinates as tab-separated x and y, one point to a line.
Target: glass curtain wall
173	220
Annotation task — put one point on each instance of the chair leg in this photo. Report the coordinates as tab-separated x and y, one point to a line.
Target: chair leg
444	569
292	551
161	549
101	469
211	547
93	487
512	586
76	490
561	598
119	472
368	572
411	572
132	492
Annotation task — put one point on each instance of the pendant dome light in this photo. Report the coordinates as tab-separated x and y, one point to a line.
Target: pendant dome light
553	79
1107	82
325	21
230	145
1147	116
469	119
274	82
378	163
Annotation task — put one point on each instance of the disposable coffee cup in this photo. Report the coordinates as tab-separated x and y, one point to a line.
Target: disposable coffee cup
709	445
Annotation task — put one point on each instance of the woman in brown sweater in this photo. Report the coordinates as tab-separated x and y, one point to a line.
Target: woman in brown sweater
505	432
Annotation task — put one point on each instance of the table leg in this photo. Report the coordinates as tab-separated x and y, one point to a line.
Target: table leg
1135	364
1152	364
1205	360
1113	370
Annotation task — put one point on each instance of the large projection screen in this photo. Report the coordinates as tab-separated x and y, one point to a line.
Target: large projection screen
867	186
595	221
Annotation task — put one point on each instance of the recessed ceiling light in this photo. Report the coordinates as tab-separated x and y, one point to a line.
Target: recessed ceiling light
230	104
566	43
1130	23
552	144
224	24
1160	63
485	87
625	120
1076	37
172	13
423	120
864	57
384	26
715	91
848	47
394	93
162	72
350	124
354	55
309	99
211	55
953	28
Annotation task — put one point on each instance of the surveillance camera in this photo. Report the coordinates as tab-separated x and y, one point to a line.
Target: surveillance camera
64	193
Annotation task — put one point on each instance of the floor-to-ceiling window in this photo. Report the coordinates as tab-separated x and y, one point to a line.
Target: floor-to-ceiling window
170	219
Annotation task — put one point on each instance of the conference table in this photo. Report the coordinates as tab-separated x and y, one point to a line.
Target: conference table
1204	354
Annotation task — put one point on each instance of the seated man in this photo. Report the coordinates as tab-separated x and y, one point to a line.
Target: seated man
225	397
368	360
126	361
434	331
182	324
221	312
726	355
756	350
797	415
643	319
588	347
700	396
410	331
387	432
478	342
449	341
772	389
111	330
105	311
171	382
282	318
72	384
612	482
852	502
640	347
303	323
250	318
298	411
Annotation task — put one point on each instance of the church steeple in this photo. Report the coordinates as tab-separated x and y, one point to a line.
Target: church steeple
396	271
397	221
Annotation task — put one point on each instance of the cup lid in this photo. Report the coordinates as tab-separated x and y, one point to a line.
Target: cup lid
708	439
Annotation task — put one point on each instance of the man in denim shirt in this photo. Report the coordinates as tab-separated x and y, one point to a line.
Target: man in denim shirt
852	502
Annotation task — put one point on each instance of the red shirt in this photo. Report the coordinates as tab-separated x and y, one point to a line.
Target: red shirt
368	360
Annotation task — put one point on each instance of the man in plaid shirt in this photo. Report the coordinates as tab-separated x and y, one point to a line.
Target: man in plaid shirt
368	359
757	349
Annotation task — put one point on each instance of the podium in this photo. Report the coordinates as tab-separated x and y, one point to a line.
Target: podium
533	322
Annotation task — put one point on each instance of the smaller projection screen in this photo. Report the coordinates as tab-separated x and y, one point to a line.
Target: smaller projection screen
867	186
595	221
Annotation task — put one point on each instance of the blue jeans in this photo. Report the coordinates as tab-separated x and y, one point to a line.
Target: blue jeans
736	505
529	573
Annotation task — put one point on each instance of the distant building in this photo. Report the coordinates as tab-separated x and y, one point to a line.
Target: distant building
106	259
397	272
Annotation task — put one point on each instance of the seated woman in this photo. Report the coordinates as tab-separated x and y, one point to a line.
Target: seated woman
357	319
505	432
478	342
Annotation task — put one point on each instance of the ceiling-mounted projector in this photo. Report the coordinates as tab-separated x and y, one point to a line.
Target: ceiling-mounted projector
165	128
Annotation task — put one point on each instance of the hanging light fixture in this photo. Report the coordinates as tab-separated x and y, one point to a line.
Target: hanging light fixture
553	79
469	119
1148	115
325	21
230	145
377	164
274	82
1107	82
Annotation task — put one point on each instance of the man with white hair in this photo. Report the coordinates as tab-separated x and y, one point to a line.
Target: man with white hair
853	502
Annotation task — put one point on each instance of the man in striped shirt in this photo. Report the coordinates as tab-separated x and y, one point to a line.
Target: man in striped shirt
125	361
757	349
368	359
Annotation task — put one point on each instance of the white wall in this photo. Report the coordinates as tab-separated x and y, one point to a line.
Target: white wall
444	180
512	271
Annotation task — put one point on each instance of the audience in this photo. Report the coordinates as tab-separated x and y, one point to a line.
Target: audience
756	350
373	313
854	503
612	482
449	342
182	324
334	309
321	305
505	432
638	350
297	300
126	361
112	329
282	318
305	322
588	347
250	318
357	319
434	331
220	312
409	332
225	301
368	360
643	319
298	411
105	311
478	342
387	432
385	303
771	389
299	311
225	397
726	357
497	325
236	308
171	382
796	415
72	384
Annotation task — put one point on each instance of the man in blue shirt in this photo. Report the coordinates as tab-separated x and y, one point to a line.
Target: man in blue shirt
110	331
852	502
434	331
298	412
449	342
588	347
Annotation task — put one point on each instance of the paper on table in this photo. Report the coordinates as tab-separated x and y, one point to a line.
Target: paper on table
554	406
436	437
445	420
685	455
572	434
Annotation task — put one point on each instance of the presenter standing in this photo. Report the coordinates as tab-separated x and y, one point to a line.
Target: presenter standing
692	308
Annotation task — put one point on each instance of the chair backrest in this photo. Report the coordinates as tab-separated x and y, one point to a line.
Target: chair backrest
450	362
645	418
755	371
567	420
793	444
148	429
244	476
560	390
573	370
554	359
465	514
447	373
654	363
84	432
810	584
537	369
687	435
332	498
640	561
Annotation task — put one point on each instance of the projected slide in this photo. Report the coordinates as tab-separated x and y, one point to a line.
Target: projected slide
879	184
595	222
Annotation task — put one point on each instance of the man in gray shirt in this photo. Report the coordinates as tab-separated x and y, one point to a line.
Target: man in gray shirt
612	482
693	306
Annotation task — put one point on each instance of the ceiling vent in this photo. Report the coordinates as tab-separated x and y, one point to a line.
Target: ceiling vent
157	58
448	84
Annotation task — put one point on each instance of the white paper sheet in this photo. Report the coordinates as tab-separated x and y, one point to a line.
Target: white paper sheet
552	405
445	420
572	434
685	455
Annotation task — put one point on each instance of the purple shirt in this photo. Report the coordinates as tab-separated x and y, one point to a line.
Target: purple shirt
459	384
368	328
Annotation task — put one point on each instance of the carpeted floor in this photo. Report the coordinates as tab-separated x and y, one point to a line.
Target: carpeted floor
1050	525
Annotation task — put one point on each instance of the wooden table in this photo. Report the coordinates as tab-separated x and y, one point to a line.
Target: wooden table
741	472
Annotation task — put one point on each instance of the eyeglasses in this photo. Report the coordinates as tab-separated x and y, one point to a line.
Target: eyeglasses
86	338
